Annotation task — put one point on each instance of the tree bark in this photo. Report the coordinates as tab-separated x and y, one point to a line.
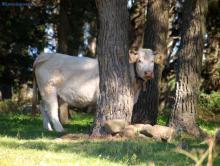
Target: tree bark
183	114
63	111
116	92
64	28
138	23
156	33
210	72
64	32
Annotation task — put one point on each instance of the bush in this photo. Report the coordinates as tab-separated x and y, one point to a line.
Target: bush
210	102
8	106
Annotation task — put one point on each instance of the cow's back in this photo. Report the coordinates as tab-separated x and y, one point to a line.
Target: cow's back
75	79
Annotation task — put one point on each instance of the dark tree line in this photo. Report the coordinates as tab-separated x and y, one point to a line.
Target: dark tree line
21	28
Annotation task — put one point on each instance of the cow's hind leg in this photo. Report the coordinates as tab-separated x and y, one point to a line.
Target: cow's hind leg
46	121
52	105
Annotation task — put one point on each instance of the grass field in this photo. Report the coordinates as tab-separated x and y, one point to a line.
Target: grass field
24	142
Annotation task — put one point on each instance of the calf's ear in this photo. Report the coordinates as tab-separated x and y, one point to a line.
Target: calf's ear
133	55
158	58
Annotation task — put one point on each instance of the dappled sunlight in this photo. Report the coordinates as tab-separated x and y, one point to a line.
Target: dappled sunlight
24	134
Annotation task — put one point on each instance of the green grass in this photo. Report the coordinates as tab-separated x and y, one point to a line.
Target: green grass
24	142
51	152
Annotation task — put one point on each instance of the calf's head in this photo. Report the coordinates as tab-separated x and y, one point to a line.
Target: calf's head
144	60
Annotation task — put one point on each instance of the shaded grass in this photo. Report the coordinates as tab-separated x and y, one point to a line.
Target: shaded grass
30	127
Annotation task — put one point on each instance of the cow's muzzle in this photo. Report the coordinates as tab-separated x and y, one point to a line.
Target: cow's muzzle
148	75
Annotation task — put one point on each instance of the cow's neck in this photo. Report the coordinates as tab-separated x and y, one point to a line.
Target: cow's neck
138	82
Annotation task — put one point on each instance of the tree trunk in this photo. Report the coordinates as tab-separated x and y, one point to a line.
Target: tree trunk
116	93
188	68
211	81
63	111
138	23
64	28
156	33
64	33
6	91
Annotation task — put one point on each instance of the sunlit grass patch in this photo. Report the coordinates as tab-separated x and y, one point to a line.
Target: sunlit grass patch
52	152
45	153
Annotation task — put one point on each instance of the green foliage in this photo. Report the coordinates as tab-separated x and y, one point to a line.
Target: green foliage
172	84
8	106
162	120
210	102
208	126
218	69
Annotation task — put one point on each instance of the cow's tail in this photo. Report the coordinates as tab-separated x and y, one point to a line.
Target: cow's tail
35	95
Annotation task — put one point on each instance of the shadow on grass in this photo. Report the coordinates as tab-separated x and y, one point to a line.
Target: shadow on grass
30	127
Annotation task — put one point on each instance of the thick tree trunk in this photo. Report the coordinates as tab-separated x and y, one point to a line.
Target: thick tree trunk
211	81
116	92
188	69
138	19
64	28
156	33
64	33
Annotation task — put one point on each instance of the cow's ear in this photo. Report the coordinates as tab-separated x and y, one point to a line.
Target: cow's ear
158	58
133	55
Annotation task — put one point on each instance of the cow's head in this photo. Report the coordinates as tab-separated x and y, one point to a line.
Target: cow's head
145	60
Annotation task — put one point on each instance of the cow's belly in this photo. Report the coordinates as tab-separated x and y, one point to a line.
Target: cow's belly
80	96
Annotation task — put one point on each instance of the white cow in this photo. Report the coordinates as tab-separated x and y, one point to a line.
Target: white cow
76	81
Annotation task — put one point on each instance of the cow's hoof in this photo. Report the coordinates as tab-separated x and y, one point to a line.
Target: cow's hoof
48	127
60	130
